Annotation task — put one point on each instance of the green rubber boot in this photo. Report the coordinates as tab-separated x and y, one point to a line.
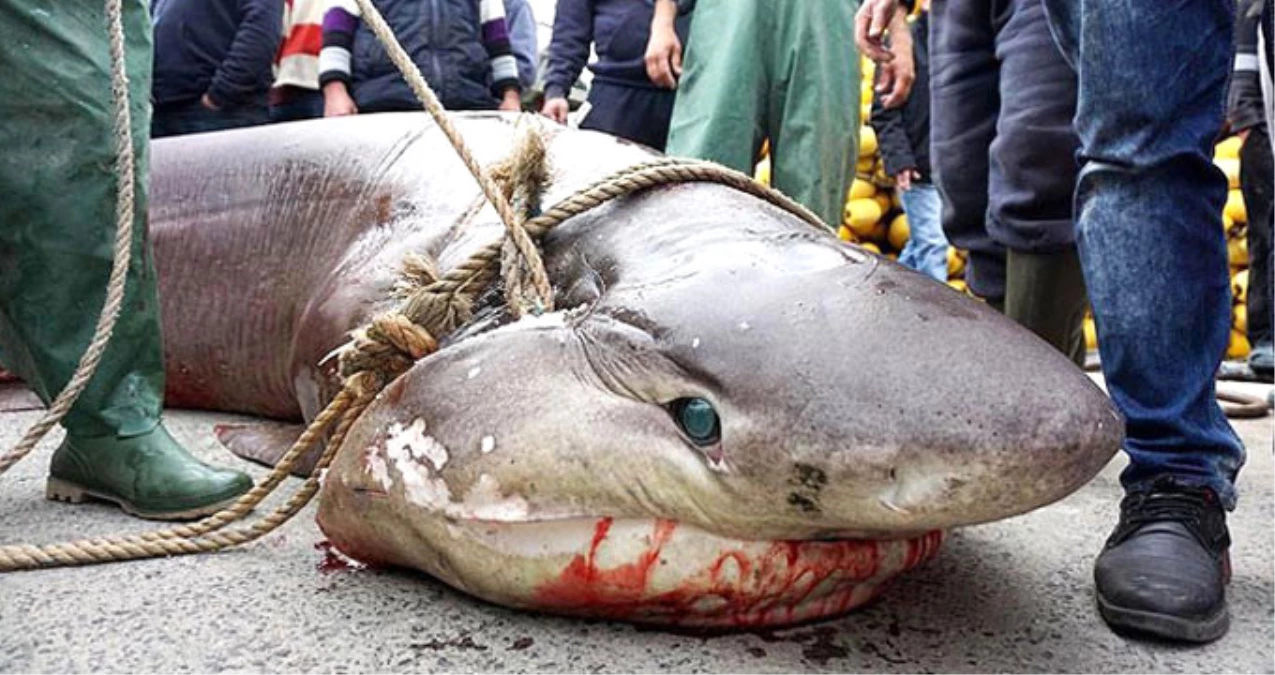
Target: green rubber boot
149	476
57	229
1045	292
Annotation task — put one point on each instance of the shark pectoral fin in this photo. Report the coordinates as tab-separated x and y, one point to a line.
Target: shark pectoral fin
266	443
15	397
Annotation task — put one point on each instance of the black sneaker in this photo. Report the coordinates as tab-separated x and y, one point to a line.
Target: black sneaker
1164	569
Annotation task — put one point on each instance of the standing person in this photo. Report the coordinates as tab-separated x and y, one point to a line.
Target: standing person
1004	160
213	61
461	47
904	138
58	214
1152	90
1257	181
623	99
295	94
783	71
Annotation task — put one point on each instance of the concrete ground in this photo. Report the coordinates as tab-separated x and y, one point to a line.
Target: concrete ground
1014	596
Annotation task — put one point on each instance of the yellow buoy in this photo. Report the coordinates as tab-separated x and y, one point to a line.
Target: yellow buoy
867	141
762	172
958	284
1228	149
861	215
870	247
1239	318
1239	287
899	232
1235	207
865	111
861	189
864	166
955	263
1091	333
1239	347
883	200
1237	251
844	234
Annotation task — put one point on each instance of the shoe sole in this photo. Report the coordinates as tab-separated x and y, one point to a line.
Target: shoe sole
1166	626
59	490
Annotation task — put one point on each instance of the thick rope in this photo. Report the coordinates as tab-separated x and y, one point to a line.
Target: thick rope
120	256
526	248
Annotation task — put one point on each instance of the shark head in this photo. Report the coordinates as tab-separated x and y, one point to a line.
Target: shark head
735	419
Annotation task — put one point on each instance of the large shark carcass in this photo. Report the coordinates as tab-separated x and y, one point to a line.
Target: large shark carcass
734	419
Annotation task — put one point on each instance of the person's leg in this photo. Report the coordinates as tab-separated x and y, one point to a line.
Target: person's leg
57	224
1033	178
1257	180
964	104
813	110
718	111
926	250
1152	91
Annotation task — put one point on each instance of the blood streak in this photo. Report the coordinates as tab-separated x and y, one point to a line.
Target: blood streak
785	582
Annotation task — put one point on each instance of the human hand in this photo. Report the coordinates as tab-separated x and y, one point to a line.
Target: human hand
896	76
905	178
207	102
664	57
556	109
511	101
337	101
870	23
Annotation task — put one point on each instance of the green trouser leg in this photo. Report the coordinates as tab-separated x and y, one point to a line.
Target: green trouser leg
57	230
787	71
1045	292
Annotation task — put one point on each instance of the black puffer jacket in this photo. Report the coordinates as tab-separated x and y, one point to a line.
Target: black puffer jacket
903	133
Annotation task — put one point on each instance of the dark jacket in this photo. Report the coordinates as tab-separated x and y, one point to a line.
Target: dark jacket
1244	101
903	133
618	29
224	48
444	39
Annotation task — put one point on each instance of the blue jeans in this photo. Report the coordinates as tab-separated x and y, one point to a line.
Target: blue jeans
926	250
1151	102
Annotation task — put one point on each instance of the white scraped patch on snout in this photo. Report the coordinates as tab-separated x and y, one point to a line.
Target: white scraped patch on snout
695	343
473	372
374	465
485	501
488	444
406	447
414	441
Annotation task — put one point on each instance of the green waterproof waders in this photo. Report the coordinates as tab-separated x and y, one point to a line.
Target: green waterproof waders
787	71
57	230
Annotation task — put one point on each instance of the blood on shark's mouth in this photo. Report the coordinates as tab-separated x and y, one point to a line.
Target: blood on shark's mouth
681	575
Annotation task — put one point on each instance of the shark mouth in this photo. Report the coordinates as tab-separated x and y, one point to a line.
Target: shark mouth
649	570
665	572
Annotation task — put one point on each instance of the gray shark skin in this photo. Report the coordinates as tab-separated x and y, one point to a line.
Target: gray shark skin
733	419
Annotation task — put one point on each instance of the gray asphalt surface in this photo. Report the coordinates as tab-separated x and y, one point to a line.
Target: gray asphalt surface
1014	596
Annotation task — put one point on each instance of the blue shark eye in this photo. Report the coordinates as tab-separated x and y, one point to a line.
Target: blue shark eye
698	420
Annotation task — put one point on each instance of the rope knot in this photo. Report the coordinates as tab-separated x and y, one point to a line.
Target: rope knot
388	346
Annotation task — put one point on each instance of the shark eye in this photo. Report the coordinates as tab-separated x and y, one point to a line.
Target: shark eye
698	420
